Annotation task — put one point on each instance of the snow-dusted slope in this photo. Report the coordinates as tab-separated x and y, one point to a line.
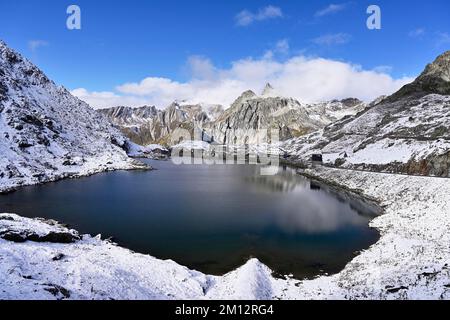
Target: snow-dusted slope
408	132
46	133
410	261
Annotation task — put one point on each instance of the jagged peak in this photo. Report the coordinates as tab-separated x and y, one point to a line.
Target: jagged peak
248	94
20	67
439	68
268	90
377	100
9	54
174	105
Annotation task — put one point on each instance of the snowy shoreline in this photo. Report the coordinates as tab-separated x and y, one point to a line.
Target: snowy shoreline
410	261
91	168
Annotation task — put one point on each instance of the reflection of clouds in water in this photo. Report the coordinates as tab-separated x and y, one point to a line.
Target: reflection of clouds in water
310	208
306	210
315	212
300	206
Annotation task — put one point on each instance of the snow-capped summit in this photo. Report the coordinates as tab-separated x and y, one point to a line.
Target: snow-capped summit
48	134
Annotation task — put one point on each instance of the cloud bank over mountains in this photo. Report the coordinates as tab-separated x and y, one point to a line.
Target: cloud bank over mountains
308	79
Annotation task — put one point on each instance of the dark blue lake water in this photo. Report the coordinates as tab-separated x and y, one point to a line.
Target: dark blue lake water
210	218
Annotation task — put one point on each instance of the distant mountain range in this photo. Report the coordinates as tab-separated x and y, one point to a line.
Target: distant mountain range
234	125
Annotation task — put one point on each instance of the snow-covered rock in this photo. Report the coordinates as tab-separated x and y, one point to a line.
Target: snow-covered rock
48	134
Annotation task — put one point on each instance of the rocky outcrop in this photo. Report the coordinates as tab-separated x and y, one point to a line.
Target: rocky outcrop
434	79
17	229
148	125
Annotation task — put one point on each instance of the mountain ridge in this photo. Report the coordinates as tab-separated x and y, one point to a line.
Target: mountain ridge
247	113
48	134
407	132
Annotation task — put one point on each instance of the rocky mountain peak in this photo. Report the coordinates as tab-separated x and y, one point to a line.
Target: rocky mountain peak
268	90
434	79
440	68
249	94
25	72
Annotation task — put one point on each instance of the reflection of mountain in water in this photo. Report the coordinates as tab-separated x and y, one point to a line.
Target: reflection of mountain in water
362	207
285	181
312	212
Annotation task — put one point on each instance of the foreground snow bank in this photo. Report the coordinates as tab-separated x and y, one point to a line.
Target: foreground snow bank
412	258
91	268
410	261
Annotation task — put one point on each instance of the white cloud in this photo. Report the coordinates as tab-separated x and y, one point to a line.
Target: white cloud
201	67
282	47
383	69
443	38
416	33
306	79
332	39
106	99
33	45
331	9
246	17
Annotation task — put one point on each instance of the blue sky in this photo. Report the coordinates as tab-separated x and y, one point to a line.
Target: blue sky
125	42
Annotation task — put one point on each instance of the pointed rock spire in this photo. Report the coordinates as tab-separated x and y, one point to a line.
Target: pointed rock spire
268	90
